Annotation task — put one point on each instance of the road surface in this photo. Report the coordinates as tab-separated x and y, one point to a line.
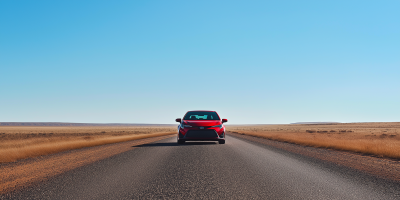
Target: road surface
239	169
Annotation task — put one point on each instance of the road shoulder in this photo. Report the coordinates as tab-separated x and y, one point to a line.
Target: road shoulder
381	167
23	173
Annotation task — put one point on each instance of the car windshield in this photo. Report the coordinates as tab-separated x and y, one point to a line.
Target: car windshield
199	115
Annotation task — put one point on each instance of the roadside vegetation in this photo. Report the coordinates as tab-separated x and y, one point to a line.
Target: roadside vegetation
19	142
378	139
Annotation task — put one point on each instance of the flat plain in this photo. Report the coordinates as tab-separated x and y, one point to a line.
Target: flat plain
266	157
19	142
380	139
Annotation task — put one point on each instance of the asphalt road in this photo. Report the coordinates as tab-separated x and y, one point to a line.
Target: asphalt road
239	169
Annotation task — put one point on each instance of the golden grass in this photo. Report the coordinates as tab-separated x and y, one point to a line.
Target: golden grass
380	139
24	142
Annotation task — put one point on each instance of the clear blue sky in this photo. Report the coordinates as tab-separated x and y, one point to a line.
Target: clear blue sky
259	62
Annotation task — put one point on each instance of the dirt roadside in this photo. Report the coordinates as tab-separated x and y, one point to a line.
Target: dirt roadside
381	167
16	175
381	139
21	142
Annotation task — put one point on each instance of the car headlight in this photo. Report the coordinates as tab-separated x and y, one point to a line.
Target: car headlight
219	126
185	125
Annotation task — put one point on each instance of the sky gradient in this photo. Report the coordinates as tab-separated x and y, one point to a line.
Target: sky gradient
254	62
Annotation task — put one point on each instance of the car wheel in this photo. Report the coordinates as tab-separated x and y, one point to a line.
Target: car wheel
221	141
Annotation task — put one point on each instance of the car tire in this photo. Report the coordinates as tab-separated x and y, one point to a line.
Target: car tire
221	141
181	141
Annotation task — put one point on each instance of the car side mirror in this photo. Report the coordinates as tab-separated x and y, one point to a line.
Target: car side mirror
178	120
224	120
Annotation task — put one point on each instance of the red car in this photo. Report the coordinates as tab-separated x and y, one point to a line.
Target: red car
201	125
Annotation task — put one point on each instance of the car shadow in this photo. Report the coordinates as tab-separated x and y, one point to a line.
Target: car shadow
172	144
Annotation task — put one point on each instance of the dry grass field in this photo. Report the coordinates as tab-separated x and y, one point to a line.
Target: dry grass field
19	142
379	139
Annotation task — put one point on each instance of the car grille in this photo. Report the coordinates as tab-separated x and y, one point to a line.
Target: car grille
201	134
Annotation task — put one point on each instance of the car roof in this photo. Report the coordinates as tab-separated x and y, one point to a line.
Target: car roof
201	111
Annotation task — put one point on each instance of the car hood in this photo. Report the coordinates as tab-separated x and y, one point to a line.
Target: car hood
202	122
